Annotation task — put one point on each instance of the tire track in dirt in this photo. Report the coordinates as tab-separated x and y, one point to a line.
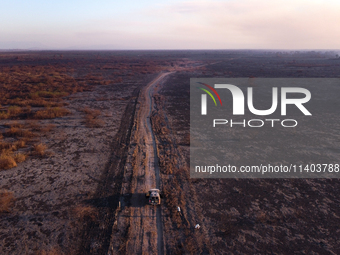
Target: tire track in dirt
151	230
154	158
139	226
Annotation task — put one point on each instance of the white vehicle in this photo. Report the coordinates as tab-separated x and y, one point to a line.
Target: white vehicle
154	196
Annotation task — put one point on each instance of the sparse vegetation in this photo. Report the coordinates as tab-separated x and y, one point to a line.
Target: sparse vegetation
6	200
52	251
18	136
92	119
51	113
39	149
234	220
18	132
4	115
48	128
83	212
93	122
92	112
7	160
19	157
33	90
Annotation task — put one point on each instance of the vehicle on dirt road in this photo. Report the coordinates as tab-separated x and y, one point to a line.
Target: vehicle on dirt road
154	196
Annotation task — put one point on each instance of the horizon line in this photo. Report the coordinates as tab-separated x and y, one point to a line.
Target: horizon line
226	49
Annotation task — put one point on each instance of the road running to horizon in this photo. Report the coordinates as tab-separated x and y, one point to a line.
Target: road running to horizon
145	235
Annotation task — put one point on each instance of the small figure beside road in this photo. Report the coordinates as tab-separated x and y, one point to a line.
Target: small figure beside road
197	226
178	209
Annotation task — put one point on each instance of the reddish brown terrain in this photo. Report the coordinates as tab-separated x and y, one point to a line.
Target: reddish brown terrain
85	134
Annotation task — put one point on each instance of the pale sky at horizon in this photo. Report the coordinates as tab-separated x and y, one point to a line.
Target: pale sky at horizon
170	24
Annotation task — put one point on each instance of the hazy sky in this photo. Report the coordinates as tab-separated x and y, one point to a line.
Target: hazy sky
151	24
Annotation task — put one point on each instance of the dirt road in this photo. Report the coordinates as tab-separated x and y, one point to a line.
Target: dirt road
153	178
140	223
147	133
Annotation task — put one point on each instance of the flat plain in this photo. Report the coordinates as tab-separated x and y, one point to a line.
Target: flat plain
85	134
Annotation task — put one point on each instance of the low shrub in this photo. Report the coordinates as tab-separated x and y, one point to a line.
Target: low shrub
18	132
19	157
47	128
39	149
85	212
91	111
5	146
14	110
93	122
51	113
6	200
4	115
91	118
7	161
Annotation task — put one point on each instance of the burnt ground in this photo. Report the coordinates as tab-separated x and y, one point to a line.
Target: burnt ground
66	197
78	173
259	216
67	200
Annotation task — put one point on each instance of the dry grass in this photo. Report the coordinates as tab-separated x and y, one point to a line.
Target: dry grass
39	149
36	86
52	251
4	115
82	212
22	133
14	110
7	161
5	146
6	200
48	128
19	144
92	112
93	122
18	132
92	118
51	113
34	125
20	157
48	94
173	187
42	103
15	124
